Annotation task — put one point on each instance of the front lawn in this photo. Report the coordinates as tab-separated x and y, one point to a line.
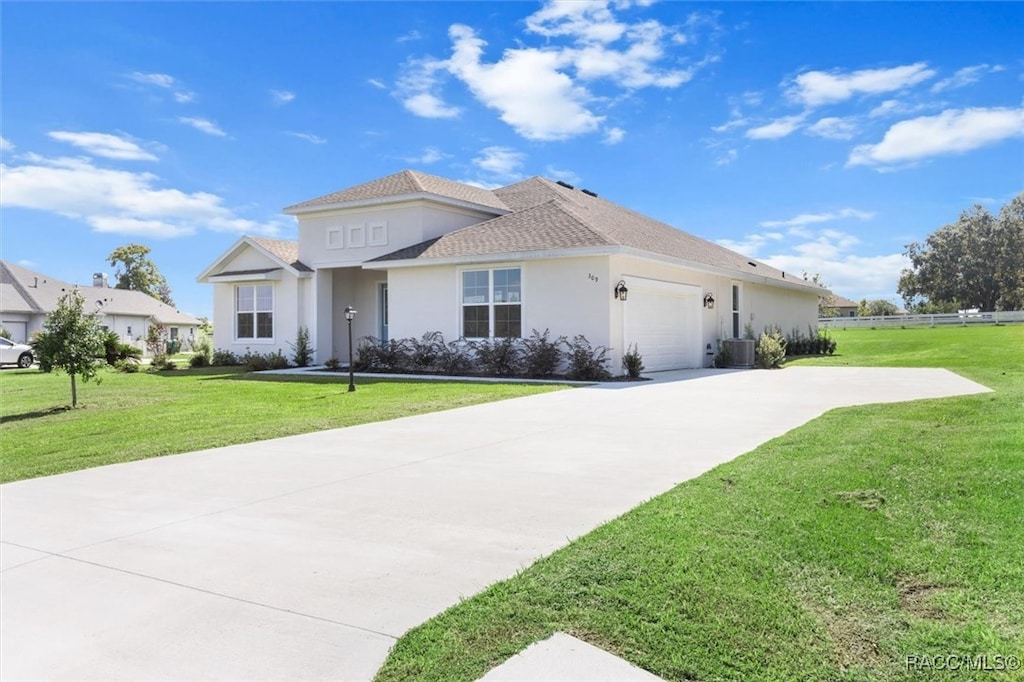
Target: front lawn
134	416
873	543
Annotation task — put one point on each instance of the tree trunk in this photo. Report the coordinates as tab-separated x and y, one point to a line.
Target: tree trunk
74	392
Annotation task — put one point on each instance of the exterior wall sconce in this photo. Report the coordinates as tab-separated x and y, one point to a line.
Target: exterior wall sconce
350	314
621	291
709	301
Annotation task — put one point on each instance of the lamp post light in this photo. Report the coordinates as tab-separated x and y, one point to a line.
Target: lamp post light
350	314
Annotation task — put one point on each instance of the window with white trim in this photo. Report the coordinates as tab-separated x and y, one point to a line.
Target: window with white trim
492	303
254	311
735	311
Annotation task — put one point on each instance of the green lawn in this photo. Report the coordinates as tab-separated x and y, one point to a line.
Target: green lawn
134	416
831	553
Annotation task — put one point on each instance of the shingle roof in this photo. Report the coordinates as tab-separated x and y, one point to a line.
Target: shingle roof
843	302
43	292
407	182
548	216
284	250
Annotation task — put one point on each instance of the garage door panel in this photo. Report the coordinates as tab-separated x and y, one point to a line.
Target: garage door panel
663	320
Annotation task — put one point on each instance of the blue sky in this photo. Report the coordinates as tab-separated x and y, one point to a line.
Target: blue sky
817	137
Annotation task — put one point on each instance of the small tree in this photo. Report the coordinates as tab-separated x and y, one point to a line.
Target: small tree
878	307
302	348
71	341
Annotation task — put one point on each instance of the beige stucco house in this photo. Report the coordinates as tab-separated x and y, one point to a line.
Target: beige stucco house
26	297
416	253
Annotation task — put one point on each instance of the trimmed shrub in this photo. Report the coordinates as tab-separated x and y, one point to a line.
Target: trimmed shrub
456	358
541	355
127	365
333	364
255	362
161	363
587	363
770	350
374	355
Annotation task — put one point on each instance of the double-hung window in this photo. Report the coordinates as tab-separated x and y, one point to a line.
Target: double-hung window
492	303
254	311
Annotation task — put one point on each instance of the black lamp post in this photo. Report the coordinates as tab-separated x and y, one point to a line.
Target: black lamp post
350	314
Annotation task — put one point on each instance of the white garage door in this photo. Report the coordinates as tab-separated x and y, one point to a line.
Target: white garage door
18	330
663	320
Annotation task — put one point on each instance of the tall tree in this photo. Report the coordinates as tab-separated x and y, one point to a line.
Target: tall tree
71	341
878	307
136	272
976	262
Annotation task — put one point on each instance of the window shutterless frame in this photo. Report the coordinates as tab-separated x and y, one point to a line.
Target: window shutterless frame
254	312
491	302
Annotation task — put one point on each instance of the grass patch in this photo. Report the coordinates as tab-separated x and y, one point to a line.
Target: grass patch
135	416
831	553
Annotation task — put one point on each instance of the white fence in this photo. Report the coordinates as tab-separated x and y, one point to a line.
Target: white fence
961	319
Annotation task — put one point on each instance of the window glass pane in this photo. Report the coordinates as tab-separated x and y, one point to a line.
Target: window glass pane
245	325
735	297
474	322
243	299
507	286
264	297
508	321
264	325
474	286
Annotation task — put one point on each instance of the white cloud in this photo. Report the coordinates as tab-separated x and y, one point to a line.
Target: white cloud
429	155
281	97
105	145
428	105
164	81
503	162
812	218
118	201
376	83
954	131
614	135
563	175
780	127
6	145
203	125
965	76
815	88
832	254
846	273
411	35
540	91
533	96
419	87
160	80
833	128
308	137
727	157
751	244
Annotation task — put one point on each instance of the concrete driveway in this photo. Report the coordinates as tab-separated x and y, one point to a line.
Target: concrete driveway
305	557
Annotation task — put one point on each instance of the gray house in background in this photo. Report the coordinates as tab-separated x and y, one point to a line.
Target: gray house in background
26	297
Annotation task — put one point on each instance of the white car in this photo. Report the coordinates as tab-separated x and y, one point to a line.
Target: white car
15	353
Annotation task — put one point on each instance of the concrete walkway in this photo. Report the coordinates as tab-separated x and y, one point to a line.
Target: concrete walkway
305	557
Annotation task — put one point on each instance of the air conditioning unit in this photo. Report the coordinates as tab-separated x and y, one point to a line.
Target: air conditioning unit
741	352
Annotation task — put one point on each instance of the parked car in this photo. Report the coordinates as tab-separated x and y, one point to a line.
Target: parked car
15	353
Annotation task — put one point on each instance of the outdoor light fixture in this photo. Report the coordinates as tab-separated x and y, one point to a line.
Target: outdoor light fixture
621	291
350	314
709	301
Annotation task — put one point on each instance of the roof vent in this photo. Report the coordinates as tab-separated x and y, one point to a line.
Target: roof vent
587	191
564	184
751	263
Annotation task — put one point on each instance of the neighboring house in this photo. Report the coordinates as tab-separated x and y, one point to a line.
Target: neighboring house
416	253
844	307
26	297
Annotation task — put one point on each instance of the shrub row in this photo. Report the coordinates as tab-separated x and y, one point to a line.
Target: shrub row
536	357
815	343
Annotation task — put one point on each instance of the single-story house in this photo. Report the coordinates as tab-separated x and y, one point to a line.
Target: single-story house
26	297
416	253
844	307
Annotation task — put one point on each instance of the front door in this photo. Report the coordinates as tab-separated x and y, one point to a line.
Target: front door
382	306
